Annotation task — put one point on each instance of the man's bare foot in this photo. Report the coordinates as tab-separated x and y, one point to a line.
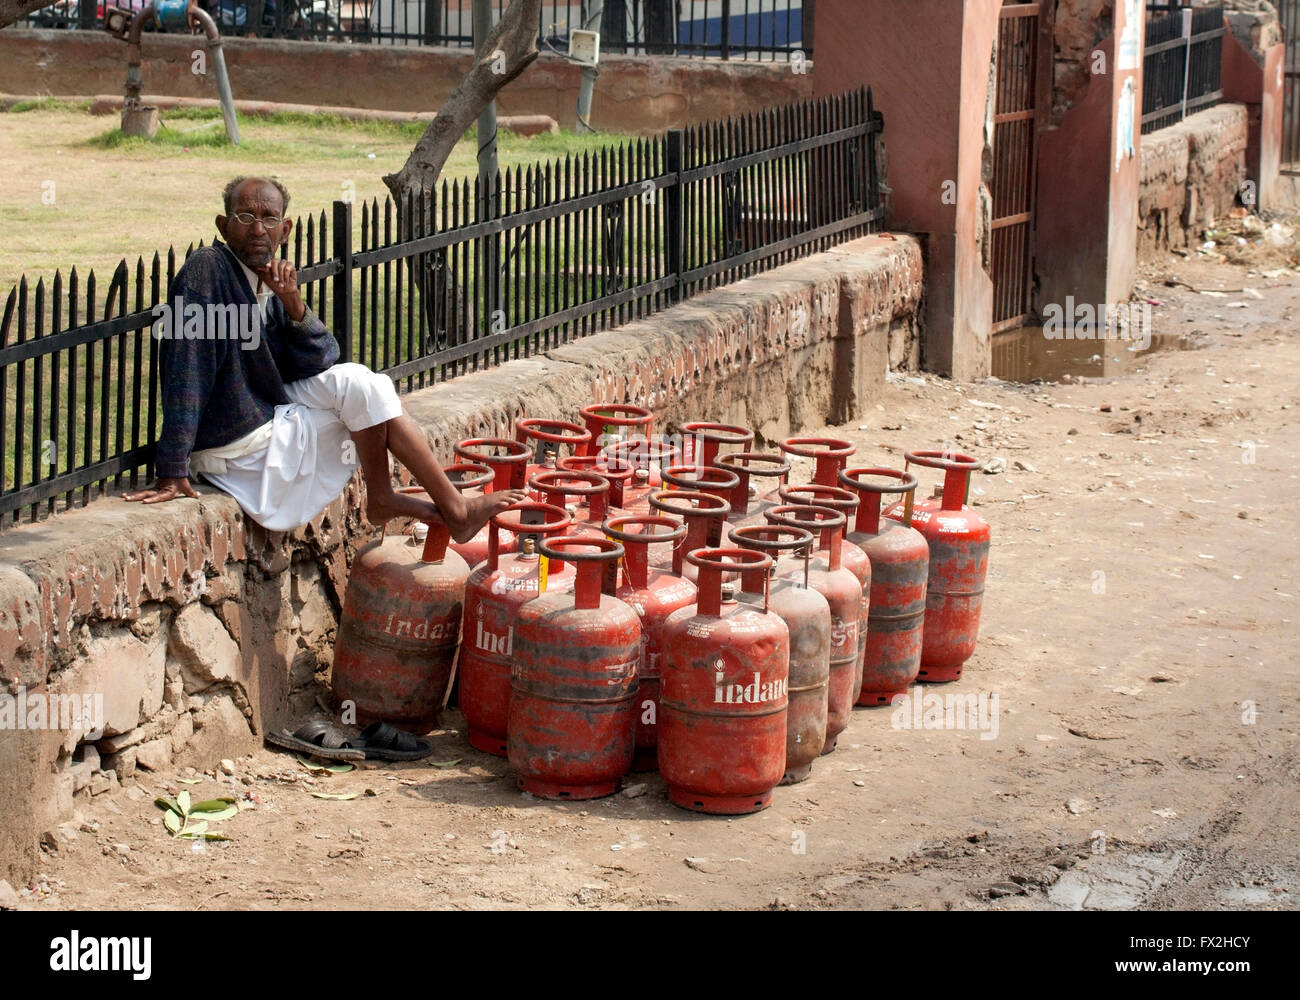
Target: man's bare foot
482	507
384	507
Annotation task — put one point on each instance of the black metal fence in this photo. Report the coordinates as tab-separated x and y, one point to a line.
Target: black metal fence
1183	68
723	29
461	280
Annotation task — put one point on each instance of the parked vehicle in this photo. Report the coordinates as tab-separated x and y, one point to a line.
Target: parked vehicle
309	20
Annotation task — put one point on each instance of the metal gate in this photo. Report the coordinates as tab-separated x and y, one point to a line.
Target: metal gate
1018	115
1289	11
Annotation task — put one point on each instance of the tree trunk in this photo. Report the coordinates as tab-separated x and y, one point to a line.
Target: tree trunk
12	11
506	52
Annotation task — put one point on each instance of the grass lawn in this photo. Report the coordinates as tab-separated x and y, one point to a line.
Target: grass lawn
114	197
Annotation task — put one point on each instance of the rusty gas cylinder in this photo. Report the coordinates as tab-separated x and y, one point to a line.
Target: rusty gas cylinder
722	710
629	422
617	472
546	438
703	514
648	458
807	615
959	560
900	566
828	576
702	442
399	629
747	502
573	689
500	585
852	556
711	479
653	593
829	454
584	494
508	461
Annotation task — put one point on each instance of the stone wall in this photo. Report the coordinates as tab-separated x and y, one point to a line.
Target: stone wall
202	631
633	93
1192	173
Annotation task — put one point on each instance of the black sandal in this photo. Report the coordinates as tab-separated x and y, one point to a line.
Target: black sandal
380	741
319	739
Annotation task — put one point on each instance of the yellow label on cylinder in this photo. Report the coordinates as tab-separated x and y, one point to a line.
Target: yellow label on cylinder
542	565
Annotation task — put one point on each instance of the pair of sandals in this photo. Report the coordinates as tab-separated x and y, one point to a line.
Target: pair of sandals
378	741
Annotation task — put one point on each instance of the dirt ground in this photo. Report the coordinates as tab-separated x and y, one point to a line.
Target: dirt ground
1139	633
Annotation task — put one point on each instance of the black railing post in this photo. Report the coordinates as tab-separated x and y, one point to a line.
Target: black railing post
341	286
673	219
87	15
726	27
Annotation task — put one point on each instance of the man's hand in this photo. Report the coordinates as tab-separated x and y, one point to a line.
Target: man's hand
282	278
163	489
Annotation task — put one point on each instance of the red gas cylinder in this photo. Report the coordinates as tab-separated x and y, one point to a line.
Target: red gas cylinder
648	459
900	566
854	559
546	438
830	454
466	477
807	614
715	480
703	514
497	589
828	576
399	629
747	502
654	594
616	471
573	690
702	441
722	716
508	461
588	510
612	423
959	561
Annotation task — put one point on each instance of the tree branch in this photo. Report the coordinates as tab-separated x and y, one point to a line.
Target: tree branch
506	52
13	11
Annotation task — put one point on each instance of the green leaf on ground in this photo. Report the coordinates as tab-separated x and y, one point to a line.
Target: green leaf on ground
446	763
163	802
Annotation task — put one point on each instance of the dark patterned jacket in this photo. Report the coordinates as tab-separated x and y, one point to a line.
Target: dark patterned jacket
214	389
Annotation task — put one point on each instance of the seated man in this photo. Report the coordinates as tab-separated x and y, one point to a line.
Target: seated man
273	420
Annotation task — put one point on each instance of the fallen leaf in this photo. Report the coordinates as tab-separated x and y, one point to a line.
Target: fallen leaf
445	763
338	768
190	781
341	796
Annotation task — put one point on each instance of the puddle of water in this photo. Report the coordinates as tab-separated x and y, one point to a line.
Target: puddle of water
1025	354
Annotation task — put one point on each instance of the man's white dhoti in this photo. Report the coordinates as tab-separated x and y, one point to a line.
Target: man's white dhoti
290	469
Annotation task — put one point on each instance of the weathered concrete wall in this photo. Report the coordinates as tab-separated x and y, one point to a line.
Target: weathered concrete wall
1191	175
202	630
633	93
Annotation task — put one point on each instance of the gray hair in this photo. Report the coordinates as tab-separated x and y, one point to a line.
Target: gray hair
228	195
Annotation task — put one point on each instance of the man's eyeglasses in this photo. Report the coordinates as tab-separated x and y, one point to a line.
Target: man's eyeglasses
247	219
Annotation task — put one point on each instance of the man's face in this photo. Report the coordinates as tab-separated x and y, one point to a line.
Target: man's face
254	242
